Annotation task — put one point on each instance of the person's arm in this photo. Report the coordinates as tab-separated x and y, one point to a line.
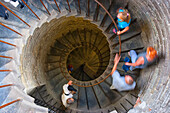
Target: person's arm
121	32
140	61
116	61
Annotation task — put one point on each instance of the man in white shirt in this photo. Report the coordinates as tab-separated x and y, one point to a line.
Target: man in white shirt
121	83
67	96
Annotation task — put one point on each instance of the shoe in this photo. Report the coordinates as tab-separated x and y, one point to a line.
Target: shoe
114	30
112	87
132	68
21	6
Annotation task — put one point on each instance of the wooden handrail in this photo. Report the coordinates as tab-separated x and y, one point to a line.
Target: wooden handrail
45	7
5	70
10	29
9	103
69	6
79	6
57	6
6	85
6	57
30	9
113	22
14	14
8	43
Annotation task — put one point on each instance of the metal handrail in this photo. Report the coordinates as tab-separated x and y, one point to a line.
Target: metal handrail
5	70
69	6
30	9
119	52
6	85
9	103
7	43
113	22
57	6
70	11
45	7
10	29
6	57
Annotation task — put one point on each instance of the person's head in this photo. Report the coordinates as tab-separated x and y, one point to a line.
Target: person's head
124	16
128	79
151	52
70	100
70	82
72	89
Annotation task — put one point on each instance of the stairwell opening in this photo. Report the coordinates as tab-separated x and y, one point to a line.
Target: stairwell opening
90	56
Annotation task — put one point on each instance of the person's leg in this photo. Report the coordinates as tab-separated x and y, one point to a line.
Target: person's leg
21	4
112	86
133	56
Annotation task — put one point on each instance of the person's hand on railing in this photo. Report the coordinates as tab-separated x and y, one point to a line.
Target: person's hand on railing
117	58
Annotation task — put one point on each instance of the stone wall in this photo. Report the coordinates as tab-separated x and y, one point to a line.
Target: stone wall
154	18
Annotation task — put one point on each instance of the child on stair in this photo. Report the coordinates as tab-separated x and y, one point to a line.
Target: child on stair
123	21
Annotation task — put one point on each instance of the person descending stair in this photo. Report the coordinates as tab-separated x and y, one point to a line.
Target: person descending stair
121	83
123	21
67	96
3	12
143	59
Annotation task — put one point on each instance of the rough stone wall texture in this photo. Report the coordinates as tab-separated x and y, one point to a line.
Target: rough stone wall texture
154	18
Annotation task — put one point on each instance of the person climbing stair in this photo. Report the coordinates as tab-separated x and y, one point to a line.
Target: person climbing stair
121	83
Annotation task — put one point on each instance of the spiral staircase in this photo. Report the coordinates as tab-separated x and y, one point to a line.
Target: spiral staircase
89	49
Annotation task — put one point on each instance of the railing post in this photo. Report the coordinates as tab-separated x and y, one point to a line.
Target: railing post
57	6
10	29
97	12
45	7
9	103
8	43
6	85
5	70
6	57
30	9
69	6
88	8
15	14
79	6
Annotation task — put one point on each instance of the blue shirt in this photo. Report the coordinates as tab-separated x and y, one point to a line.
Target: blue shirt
122	24
120	84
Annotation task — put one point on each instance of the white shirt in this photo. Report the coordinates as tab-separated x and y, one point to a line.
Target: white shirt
64	99
65	89
15	4
120	84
